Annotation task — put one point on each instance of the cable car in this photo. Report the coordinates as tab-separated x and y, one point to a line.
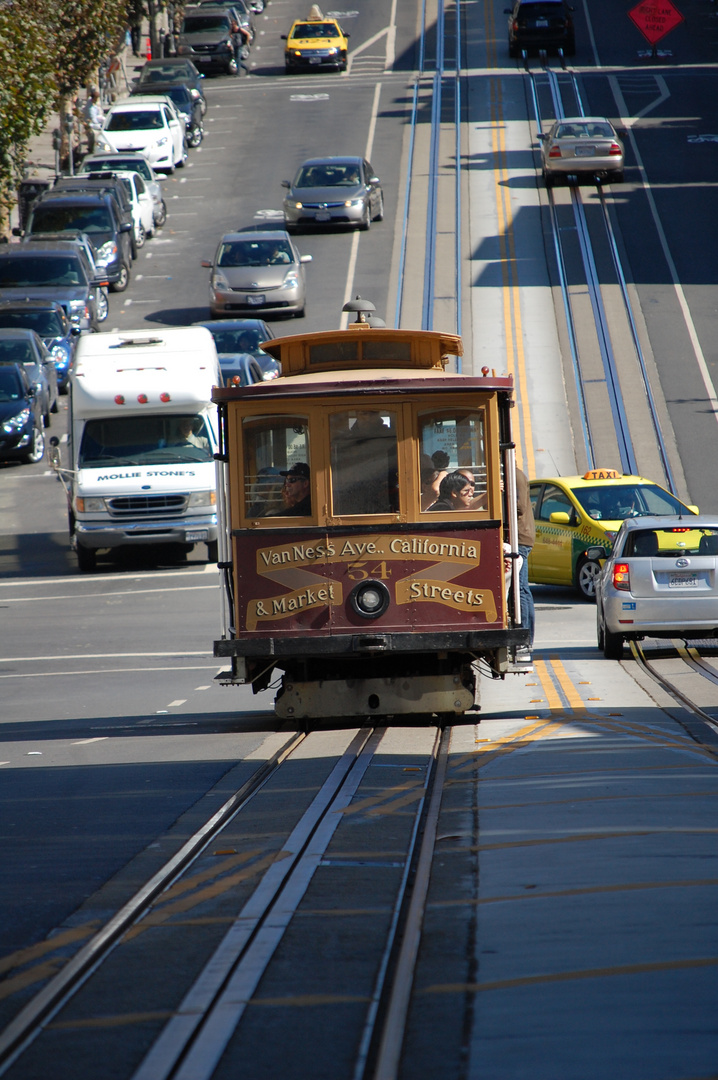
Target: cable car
367	504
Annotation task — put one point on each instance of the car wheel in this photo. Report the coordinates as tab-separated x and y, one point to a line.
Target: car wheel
161	215
232	68
196	136
140	236
102	305
37	449
379	216
548	179
612	645
587	574
123	280
86	559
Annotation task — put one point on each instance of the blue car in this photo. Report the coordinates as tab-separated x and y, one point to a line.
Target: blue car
21	422
238	343
48	319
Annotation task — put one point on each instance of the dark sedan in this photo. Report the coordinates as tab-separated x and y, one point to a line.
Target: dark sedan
21	435
52	271
240	340
48	319
173	69
26	347
334	191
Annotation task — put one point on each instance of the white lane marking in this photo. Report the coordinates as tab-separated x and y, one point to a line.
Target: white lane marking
105	671
86	742
125	592
150	575
179	701
349	290
208	687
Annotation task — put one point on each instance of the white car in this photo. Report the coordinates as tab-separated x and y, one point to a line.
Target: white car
148	127
660	580
138	163
142	204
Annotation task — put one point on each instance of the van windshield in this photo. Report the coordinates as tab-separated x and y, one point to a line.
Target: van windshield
48	218
145	440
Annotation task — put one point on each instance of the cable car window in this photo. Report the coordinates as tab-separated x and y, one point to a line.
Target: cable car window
339	352
364	462
277	478
386	350
452	441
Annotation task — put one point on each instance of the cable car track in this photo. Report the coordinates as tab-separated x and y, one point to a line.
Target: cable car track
692	660
565	99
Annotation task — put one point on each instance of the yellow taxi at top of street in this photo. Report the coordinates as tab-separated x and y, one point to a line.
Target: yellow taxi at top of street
315	43
577	519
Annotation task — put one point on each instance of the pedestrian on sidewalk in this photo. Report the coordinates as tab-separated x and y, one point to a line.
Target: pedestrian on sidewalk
94	118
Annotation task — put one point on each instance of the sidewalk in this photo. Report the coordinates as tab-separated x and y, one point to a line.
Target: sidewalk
41	155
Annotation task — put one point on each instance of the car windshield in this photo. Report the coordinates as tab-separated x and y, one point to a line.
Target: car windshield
142	120
119	164
16	352
311	176
27	270
626	500
144	440
47	217
584	131
254	253
235	341
11	388
166	73
201	24
320	30
45	323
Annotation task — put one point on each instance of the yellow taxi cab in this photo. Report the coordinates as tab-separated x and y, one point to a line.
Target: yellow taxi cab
577	518
315	42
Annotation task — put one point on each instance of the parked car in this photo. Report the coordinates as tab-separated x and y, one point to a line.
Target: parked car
95	184
257	271
21	428
206	37
334	191
541	24
241	11
150	128
582	145
20	346
52	271
660	580
48	319
314	44
96	216
139	200
82	241
139	164
185	103
174	69
577	517
239	339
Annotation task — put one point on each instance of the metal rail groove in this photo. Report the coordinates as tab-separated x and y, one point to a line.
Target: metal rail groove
671	689
45	1005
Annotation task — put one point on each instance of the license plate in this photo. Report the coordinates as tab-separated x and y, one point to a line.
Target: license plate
203	59
323	217
257	299
585	151
682	581
541	22
196	534
314	60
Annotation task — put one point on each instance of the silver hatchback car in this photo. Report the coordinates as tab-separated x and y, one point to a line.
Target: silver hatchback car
334	191
582	145
661	580
257	273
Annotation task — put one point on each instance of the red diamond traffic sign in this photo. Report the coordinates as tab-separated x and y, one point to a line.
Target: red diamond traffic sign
655	18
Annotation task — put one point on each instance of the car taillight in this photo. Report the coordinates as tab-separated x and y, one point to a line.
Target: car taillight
621	576
515	25
615	150
555	151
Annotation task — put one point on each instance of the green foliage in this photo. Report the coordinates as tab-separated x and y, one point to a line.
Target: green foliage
82	34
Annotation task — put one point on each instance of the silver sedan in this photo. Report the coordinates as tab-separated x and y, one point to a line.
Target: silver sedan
334	191
257	273
582	145
661	580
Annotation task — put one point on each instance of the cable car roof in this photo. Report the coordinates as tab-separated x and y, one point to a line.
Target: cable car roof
363	346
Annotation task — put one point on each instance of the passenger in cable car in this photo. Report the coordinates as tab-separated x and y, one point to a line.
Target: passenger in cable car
455	493
295	493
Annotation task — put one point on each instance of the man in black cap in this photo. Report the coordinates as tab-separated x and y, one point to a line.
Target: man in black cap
295	493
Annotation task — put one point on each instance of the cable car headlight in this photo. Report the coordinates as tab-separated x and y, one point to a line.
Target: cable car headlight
370	599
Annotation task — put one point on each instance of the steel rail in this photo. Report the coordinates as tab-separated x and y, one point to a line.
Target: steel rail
40	1010
671	689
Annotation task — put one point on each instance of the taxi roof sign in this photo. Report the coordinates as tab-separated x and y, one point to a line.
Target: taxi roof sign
602	474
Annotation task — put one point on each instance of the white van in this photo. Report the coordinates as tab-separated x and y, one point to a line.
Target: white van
142	440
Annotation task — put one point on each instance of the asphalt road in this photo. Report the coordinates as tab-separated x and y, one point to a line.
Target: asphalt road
111	727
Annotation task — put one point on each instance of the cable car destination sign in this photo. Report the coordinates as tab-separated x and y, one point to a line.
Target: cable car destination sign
655	19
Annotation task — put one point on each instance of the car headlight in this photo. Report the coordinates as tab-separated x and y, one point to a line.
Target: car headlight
354	202
61	355
77	309
291	280
203	498
332	52
298	52
16	423
294	203
270	375
89	506
220	282
106	252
